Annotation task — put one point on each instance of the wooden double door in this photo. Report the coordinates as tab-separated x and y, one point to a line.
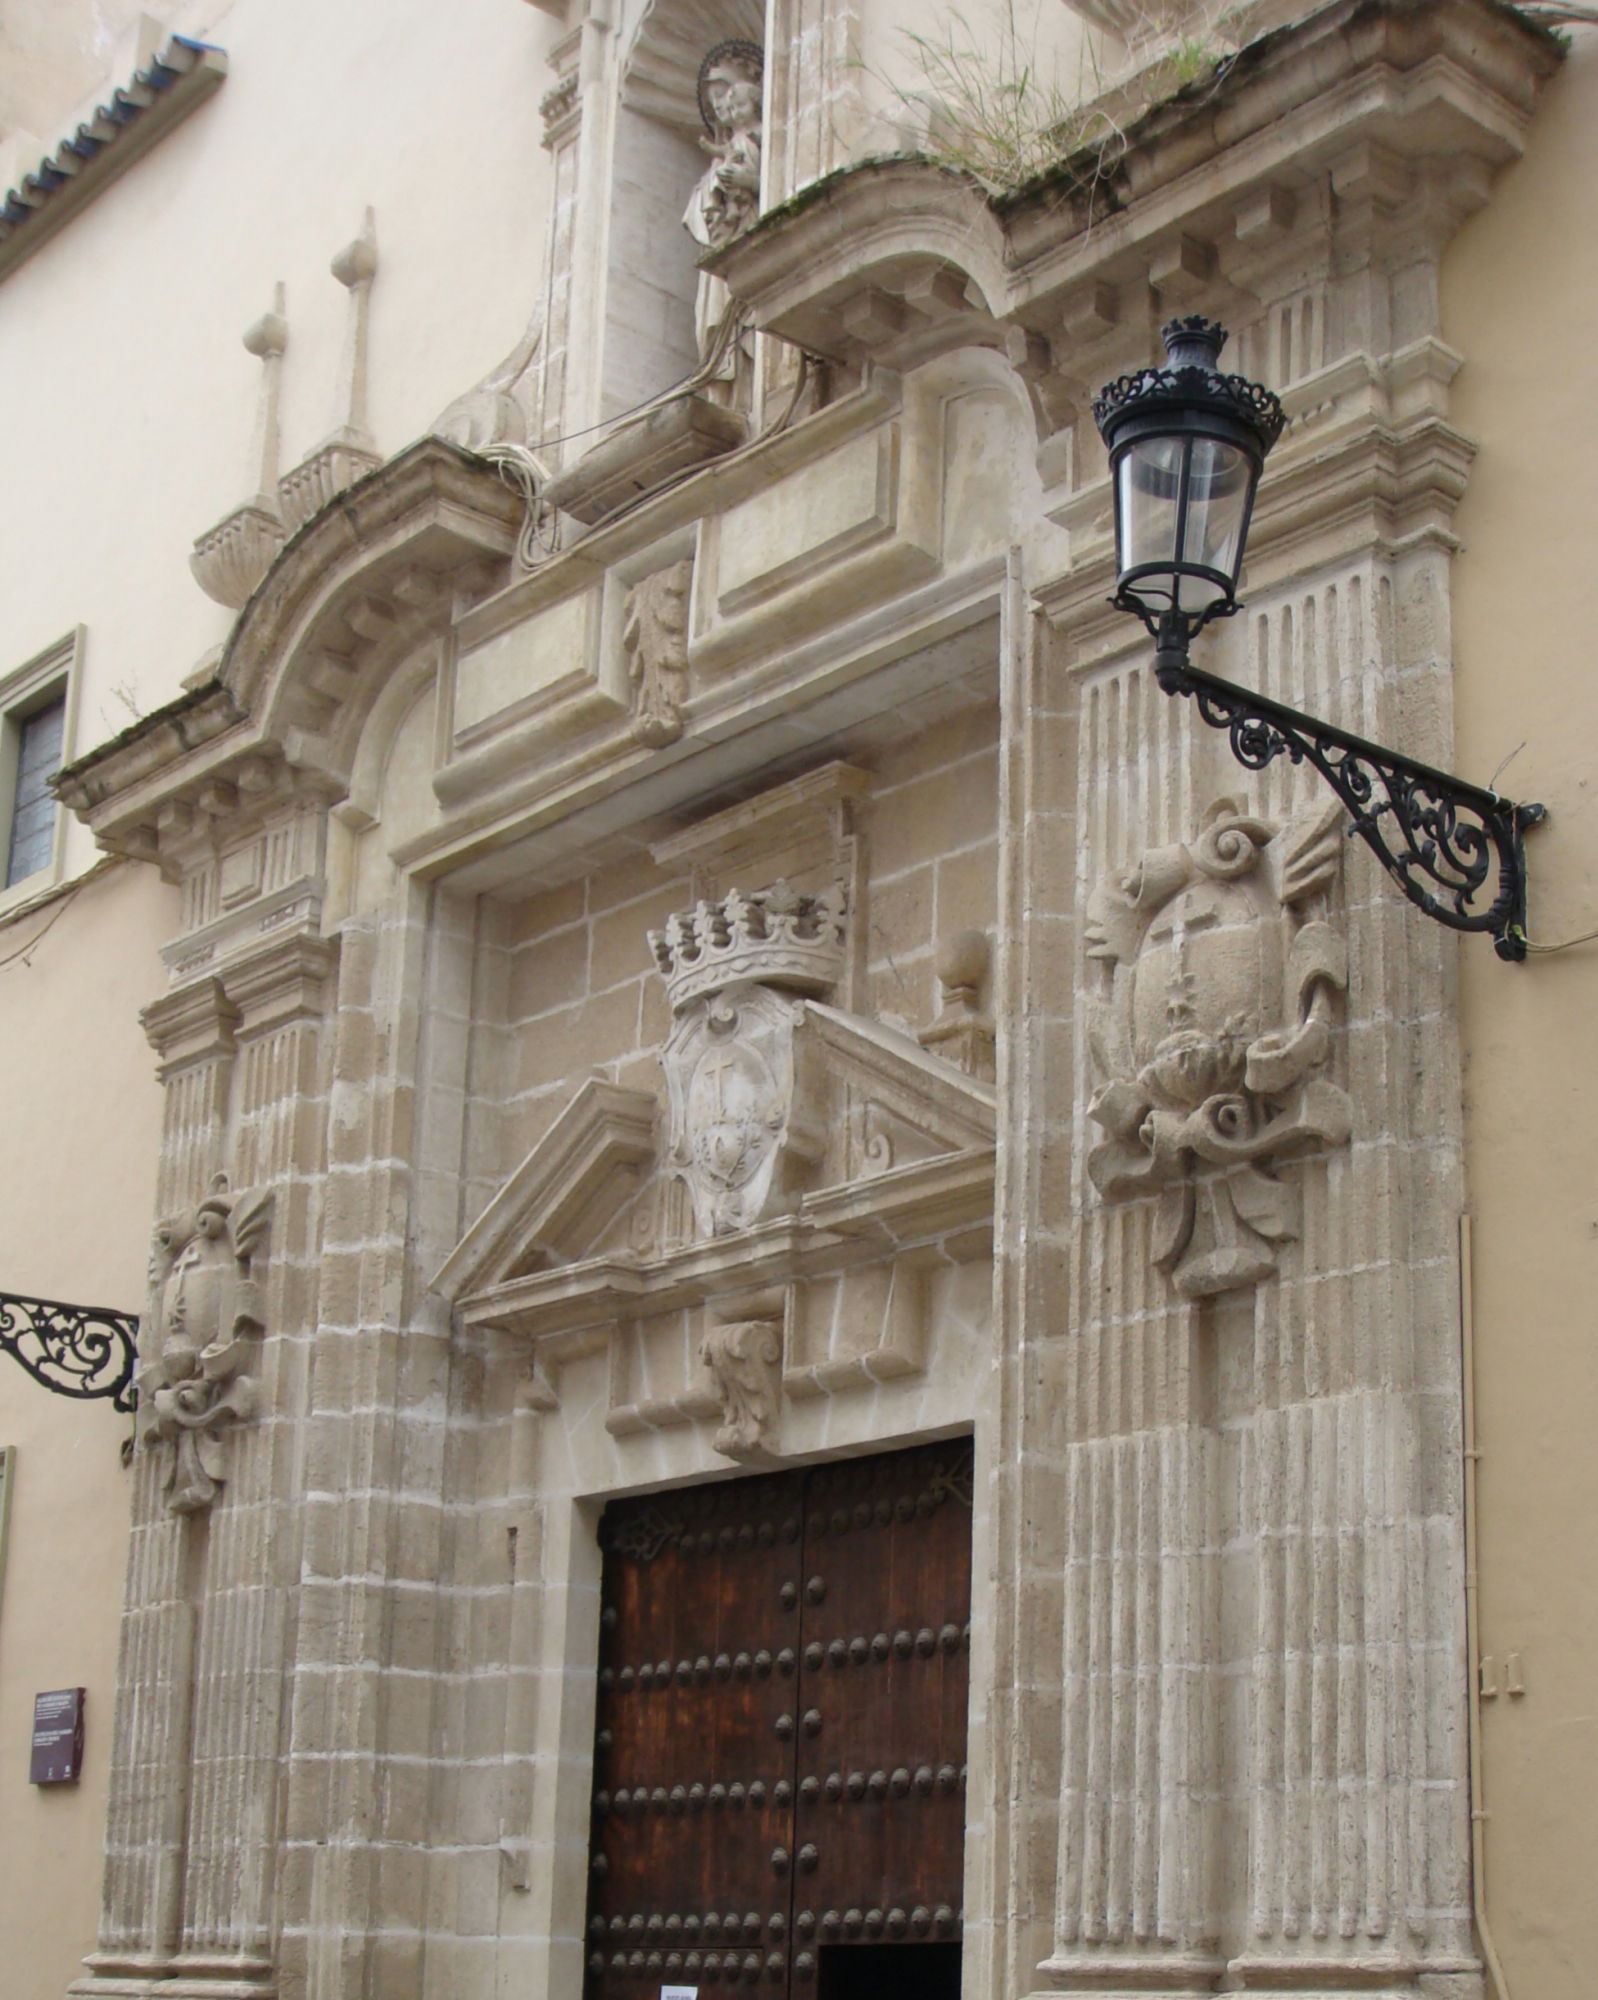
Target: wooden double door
779	1764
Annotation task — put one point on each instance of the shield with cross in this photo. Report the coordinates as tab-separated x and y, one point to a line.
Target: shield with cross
729	1067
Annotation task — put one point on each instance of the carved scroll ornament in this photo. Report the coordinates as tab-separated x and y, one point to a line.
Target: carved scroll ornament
207	1317
744	1356
1212	1026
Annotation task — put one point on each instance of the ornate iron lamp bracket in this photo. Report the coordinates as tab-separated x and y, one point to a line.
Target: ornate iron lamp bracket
1454	849
86	1352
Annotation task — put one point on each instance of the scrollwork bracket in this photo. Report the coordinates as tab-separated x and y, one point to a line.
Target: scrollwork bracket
1455	849
86	1352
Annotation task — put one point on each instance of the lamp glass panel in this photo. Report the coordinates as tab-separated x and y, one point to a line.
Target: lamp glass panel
1219	481
1151	483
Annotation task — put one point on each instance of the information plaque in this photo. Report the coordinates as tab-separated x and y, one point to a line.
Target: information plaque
57	1737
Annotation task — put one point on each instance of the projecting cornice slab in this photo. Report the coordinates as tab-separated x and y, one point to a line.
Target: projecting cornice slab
120	131
891	259
387	563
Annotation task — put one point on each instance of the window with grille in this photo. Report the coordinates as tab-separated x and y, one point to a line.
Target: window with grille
33	806
36	712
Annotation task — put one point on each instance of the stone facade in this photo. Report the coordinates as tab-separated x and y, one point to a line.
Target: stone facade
715	953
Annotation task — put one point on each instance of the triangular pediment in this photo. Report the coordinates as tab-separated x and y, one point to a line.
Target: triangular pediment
579	1176
892	1144
944	1109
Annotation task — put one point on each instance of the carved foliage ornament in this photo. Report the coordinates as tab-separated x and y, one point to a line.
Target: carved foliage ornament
654	636
744	1357
1212	1026
206	1319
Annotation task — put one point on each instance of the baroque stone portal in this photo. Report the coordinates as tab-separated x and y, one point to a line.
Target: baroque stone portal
208	1296
1212	1024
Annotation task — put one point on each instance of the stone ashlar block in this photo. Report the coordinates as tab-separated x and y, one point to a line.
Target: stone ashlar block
567	1044
948	809
549	972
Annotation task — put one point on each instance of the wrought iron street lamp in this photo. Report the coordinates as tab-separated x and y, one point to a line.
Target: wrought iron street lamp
1186	446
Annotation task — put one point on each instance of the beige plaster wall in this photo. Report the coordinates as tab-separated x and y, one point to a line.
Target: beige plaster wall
77	1181
128	322
1520	302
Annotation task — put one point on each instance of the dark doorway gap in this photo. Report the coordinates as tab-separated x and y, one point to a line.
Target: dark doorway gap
889	1972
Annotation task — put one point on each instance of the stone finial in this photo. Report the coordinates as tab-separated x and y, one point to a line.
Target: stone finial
230	559
349	450
963	1033
776	937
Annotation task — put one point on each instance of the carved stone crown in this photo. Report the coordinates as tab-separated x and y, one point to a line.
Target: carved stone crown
776	936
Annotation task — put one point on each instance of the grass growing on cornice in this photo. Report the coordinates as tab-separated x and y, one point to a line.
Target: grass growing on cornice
986	107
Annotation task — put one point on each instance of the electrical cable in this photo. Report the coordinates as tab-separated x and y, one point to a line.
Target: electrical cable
63	898
518	464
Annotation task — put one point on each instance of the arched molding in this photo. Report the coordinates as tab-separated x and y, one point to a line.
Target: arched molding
660	72
367	585
393	694
370	577
892	260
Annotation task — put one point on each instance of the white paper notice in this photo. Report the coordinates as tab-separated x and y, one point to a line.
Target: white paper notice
679	1993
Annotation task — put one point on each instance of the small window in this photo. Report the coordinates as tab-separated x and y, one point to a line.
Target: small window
33	807
36	706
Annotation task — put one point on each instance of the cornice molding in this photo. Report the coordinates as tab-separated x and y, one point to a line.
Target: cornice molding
889	259
388	563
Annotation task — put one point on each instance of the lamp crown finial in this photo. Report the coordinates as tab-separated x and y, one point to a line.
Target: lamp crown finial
1194	342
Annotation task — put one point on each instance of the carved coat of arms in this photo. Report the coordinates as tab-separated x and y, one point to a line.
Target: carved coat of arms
730	1081
1212	1028
206	1318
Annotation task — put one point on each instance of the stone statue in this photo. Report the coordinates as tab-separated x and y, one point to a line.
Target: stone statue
207	1313
727	198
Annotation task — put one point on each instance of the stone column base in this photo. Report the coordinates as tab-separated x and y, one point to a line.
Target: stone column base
1376	1977
1153	1976
191	1976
